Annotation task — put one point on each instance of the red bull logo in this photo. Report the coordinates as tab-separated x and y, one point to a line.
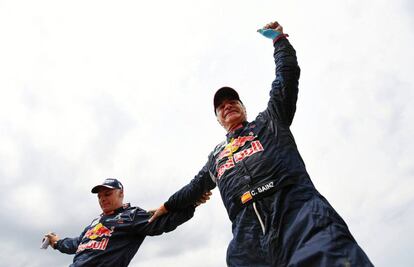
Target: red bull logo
255	147
92	244
226	166
98	231
234	145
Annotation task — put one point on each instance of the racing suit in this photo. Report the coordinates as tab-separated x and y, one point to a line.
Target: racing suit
113	240
278	217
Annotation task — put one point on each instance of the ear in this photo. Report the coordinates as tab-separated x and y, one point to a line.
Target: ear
245	111
244	107
219	121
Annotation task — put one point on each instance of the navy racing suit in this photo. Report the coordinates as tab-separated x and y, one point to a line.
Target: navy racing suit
113	240
278	217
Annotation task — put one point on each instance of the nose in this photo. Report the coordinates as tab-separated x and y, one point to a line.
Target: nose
227	105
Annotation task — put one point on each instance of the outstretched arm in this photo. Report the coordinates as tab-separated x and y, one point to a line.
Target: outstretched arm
164	224
283	96
65	245
196	191
163	210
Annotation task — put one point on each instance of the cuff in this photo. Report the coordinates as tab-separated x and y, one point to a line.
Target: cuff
55	245
167	207
280	36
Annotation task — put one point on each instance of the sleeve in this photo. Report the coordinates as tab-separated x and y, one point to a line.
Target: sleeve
163	224
189	194
69	245
284	92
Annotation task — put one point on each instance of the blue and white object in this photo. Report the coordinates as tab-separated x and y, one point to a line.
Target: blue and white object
269	33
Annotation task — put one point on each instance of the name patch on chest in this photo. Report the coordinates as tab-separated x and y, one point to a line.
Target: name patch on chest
249	195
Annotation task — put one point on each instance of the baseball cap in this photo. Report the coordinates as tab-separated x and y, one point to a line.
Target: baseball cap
110	183
225	93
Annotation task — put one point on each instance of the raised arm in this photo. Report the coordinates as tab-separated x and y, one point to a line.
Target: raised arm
283	95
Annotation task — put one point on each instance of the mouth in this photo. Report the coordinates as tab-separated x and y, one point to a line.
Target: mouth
230	112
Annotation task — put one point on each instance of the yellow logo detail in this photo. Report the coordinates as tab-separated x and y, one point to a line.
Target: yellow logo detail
231	147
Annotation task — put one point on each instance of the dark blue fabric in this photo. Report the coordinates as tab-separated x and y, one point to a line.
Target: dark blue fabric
301	228
113	240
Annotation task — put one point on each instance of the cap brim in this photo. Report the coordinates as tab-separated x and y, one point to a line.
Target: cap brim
96	188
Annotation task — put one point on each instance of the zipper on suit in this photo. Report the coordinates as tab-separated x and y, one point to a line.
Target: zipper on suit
258	217
254	203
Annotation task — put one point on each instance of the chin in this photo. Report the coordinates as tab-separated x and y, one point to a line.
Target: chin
106	209
235	121
232	118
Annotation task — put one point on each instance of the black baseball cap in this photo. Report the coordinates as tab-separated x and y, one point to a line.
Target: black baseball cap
110	183
225	93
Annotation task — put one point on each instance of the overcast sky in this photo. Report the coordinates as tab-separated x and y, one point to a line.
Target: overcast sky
96	89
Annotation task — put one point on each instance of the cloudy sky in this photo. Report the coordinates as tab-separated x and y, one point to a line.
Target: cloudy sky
96	89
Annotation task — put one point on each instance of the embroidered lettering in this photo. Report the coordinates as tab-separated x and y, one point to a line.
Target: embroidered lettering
256	146
228	165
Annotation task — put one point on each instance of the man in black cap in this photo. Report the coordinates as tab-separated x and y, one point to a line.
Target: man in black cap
278	217
114	237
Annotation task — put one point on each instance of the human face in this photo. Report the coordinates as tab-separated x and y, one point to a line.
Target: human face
110	199
231	114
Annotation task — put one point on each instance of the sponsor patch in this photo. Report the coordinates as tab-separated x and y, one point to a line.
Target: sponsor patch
99	230
98	238
256	146
226	166
93	244
233	146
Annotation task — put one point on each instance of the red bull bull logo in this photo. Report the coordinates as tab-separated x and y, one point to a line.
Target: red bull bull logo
98	231
233	158
234	145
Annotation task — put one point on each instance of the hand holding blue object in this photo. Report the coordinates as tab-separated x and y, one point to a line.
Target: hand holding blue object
269	33
271	30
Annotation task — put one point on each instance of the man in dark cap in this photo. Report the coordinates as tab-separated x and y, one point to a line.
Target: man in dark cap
278	217
114	237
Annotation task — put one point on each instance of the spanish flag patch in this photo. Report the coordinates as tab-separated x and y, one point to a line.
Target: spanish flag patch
246	197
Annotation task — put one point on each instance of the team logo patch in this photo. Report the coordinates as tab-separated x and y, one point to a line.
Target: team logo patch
99	230
98	238
230	150
234	145
226	166
256	146
93	244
